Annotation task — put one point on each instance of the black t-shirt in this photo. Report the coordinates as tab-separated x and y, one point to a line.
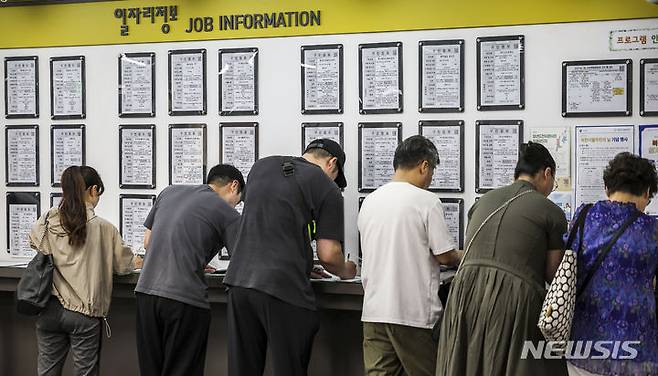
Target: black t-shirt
272	251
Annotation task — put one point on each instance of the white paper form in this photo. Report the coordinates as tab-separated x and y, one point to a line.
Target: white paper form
67	87
377	150
595	147
322	79
137	156
187	158
137	86
21	87
238	81
22	157
596	88
239	147
380	73
448	142
500	72
187	82
441	72
498	154
67	150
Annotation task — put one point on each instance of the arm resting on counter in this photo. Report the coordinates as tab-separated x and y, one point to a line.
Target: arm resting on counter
331	257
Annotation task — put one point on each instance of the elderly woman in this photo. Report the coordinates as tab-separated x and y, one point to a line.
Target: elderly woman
618	304
497	294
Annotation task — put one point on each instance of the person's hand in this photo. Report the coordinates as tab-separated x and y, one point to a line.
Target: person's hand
209	269
139	261
349	270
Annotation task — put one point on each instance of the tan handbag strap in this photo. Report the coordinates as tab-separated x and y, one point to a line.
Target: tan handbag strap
503	206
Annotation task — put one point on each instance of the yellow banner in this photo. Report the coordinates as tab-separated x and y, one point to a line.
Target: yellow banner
119	22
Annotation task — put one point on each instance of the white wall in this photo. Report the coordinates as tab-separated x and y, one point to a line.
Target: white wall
280	118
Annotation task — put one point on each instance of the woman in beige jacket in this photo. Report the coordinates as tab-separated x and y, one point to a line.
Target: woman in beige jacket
86	251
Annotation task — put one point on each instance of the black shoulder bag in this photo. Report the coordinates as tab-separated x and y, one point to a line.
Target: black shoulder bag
35	286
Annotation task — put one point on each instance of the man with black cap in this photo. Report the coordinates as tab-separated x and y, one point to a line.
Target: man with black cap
270	299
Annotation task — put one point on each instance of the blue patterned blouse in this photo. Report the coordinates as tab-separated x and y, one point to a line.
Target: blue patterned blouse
619	303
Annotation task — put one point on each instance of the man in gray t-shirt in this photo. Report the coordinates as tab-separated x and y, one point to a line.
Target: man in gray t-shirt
186	228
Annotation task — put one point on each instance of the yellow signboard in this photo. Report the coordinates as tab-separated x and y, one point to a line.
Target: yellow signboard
131	21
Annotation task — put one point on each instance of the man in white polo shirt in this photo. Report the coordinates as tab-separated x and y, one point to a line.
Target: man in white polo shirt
404	238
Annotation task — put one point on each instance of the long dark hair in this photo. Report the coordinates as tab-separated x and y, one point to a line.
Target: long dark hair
73	209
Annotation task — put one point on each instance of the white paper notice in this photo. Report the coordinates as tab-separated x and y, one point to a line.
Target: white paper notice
238	80
596	88
499	152
67	90
649	150
239	147
452	214
441	76
136	157
133	215
500	73
447	140
22	155
322	79
187	155
67	150
21	87
55	200
137	84
558	143
21	219
377	150
314	133
595	147
187	82
650	87
380	73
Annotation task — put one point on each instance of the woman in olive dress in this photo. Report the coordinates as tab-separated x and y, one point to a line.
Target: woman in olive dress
496	297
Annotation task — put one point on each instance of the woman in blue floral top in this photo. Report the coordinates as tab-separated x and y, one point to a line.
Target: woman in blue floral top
618	304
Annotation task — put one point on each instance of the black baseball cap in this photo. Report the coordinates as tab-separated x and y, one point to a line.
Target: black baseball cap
334	149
